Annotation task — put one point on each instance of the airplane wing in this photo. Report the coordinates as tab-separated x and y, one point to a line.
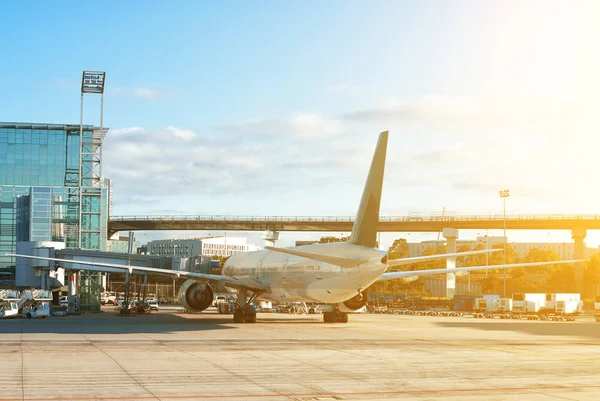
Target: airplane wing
417	259
250	283
417	273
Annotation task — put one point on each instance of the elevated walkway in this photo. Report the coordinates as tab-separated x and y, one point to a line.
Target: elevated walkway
412	223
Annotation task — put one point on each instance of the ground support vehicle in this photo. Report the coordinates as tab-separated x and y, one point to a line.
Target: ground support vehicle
37	309
264	306
225	307
293	307
218	299
8	308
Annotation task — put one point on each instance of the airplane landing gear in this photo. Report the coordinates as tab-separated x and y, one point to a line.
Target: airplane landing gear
243	312
335	316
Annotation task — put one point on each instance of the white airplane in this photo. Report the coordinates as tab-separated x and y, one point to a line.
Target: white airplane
338	274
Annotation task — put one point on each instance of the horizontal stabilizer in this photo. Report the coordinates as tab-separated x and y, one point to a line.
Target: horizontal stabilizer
417	259
411	273
332	260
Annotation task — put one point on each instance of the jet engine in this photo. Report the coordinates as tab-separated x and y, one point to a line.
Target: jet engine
356	302
195	296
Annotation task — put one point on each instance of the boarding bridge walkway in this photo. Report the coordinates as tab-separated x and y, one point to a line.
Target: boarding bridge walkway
411	223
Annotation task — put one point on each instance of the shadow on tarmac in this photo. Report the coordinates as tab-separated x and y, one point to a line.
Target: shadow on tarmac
110	323
570	329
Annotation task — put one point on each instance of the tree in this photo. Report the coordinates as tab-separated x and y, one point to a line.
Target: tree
591	276
517	273
497	258
331	238
475	260
490	282
399	249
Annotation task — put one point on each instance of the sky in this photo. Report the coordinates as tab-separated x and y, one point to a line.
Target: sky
273	108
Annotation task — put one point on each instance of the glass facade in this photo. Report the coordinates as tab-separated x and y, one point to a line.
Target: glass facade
41	195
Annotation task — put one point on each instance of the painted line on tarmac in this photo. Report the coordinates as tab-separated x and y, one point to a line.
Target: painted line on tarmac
333	394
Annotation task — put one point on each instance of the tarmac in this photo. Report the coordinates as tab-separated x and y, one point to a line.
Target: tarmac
177	356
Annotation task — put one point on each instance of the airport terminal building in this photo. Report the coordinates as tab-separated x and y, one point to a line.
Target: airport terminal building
51	187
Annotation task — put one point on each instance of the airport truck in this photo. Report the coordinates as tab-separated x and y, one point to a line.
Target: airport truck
597	308
493	307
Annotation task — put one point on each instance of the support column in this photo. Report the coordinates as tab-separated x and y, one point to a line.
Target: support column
270	237
125	304
451	234
71	293
578	235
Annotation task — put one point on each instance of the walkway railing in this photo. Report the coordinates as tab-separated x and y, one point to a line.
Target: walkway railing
391	219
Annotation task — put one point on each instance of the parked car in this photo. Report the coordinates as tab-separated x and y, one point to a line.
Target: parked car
108	298
153	304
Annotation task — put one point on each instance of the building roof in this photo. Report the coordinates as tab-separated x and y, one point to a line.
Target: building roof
25	125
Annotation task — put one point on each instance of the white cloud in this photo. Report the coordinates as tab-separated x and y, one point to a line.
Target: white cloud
126	131
145	93
341	88
300	125
181	133
476	116
311	125
137	92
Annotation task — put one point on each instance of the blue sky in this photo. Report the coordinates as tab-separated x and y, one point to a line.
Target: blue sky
273	108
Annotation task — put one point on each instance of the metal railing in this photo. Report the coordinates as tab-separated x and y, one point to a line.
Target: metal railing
342	219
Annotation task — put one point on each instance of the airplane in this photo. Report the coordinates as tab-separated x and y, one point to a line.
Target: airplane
338	274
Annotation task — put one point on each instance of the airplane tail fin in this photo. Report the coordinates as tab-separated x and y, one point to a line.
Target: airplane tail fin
364	231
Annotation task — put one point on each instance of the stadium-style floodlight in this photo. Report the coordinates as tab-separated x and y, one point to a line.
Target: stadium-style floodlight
505	193
93	82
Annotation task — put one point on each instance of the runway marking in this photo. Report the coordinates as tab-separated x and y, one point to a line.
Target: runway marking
370	393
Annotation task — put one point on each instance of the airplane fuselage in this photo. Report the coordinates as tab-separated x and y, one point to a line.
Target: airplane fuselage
294	278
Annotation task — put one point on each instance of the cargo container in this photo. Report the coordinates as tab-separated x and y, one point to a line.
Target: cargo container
466	302
563	304
493	305
528	303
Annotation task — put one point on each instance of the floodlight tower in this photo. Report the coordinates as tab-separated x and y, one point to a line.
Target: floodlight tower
505	193
91	212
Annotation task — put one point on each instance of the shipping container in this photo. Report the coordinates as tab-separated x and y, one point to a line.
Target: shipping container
528	302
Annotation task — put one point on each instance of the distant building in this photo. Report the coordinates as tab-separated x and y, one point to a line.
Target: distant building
121	245
564	250
209	246
175	247
226	246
